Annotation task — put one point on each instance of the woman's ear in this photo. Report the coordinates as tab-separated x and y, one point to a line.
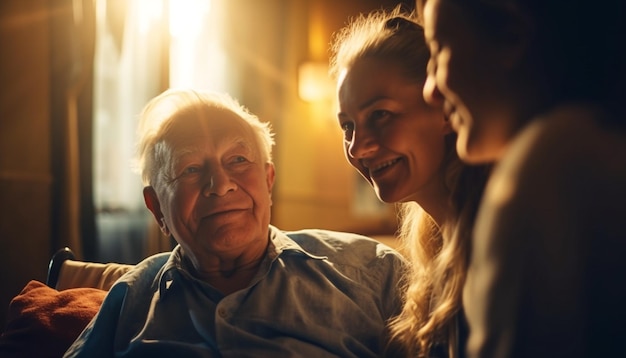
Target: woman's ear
152	203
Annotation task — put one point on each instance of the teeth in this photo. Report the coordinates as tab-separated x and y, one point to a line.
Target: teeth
384	165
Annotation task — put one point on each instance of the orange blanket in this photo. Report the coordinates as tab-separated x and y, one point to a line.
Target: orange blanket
43	322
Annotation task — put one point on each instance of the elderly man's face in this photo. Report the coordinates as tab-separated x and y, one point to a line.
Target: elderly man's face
215	195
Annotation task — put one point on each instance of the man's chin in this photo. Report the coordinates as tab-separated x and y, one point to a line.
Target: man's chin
225	237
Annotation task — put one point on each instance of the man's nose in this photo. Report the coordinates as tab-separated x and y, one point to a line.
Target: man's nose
218	182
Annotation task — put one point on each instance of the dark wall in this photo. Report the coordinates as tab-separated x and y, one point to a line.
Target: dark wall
25	170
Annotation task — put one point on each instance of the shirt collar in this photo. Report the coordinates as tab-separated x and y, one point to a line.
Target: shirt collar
280	244
168	272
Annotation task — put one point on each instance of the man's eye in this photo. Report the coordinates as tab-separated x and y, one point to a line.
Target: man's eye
239	159
348	129
191	170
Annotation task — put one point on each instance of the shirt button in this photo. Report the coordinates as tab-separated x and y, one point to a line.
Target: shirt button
222	312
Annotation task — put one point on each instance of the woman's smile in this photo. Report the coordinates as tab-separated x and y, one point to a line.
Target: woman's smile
383	168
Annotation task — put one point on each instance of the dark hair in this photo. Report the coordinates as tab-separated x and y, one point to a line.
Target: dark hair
577	45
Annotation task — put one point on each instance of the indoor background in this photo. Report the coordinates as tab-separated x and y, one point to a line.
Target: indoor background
76	73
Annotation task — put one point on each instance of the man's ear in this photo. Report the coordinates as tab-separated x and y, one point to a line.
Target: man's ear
270	174
152	203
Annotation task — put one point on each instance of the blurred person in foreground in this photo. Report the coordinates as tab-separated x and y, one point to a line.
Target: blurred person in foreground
536	86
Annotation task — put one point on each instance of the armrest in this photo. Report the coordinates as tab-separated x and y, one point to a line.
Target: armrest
90	274
54	267
65	272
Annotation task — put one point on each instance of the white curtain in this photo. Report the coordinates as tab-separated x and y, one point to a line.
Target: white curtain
142	48
131	66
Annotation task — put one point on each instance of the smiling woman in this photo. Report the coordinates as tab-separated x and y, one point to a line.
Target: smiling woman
404	147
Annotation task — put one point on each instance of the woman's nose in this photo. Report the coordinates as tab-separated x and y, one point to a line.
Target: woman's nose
431	92
363	143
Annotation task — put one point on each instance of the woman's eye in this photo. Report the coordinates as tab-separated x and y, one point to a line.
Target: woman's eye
348	129
380	113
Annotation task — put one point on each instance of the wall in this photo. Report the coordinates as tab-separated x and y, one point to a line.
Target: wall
25	171
315	187
266	43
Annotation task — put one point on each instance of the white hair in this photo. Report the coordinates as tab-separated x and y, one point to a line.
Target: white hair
157	117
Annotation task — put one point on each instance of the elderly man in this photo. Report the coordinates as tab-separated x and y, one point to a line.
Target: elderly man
235	285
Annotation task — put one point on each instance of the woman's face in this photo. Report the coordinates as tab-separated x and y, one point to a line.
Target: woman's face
391	136
471	73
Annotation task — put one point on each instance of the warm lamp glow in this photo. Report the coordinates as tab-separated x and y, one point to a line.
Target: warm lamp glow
314	83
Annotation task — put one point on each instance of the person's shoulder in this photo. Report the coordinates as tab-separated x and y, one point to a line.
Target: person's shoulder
340	244
146	272
566	158
568	139
339	240
156	260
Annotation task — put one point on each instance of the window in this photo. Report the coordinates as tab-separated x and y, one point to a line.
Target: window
142	48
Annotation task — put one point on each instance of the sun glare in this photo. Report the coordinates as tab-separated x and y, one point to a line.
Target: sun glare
150	12
186	16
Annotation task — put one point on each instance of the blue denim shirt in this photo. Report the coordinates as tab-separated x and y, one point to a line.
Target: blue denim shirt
318	293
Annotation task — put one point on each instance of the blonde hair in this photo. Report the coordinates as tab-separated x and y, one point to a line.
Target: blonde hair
383	35
157	119
438	255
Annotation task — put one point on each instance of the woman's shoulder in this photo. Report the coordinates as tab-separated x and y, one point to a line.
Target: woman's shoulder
566	140
564	158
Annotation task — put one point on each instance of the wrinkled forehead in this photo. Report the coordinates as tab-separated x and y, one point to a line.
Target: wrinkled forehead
210	126
206	119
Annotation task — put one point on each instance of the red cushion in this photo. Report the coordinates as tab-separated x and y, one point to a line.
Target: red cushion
44	322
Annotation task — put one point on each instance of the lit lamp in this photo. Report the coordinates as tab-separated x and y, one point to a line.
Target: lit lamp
314	83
